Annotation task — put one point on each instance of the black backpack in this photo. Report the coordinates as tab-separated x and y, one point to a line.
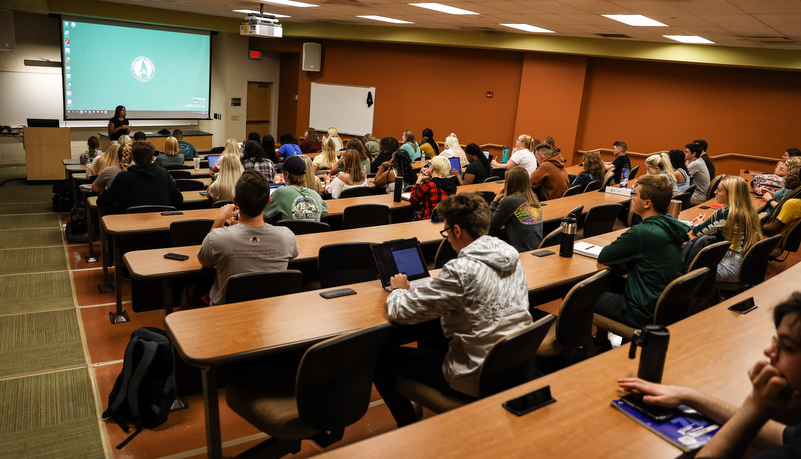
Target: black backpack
76	230
62	198
145	390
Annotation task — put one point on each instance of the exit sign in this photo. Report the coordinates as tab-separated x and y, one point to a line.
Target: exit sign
255	54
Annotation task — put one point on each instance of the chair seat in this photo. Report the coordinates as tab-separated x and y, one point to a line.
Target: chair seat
429	397
270	409
620	329
550	345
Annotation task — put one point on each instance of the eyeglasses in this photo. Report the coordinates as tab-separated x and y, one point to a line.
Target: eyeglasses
788	350
444	232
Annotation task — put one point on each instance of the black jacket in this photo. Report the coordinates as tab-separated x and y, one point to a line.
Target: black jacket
141	185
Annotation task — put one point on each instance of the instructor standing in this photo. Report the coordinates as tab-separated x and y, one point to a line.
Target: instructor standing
118	124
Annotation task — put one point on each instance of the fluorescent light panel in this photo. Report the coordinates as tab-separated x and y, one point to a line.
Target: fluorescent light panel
291	3
385	19
254	11
695	39
637	20
528	28
442	8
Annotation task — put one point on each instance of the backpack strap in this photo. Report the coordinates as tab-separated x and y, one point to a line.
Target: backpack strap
127	371
148	355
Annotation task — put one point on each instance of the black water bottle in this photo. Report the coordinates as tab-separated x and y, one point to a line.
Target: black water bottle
653	340
568	236
398	189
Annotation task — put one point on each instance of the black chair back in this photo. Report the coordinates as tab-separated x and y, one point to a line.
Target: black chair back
498	172
355	192
149	208
171	167
492	178
713	185
252	286
691	189
552	239
685	200
709	257
216	150
346	263
791	241
401	214
335	378
573	190
362	215
304	227
754	265
574	320
633	173
189	232
609	178
595	185
674	304
601	219
487	195
218	204
180	174
511	360
190	185
445	253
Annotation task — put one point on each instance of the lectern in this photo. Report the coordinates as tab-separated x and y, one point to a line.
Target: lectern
44	150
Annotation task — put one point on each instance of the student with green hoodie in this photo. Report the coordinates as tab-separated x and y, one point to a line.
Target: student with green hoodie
650	251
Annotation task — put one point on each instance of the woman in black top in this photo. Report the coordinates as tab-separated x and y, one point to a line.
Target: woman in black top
479	167
268	144
386	147
118	125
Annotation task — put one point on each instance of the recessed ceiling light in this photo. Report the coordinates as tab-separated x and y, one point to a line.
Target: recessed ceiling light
384	19
256	12
689	39
442	8
634	20
291	3
528	28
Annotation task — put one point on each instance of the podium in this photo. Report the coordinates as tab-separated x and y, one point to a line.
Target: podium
44	150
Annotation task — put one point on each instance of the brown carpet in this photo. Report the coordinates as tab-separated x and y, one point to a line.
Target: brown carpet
32	343
36	292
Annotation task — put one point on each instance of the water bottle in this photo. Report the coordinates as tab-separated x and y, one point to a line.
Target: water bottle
653	340
568	236
624	177
398	189
505	153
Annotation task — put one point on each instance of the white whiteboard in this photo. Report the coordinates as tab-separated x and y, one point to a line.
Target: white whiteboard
30	95
341	106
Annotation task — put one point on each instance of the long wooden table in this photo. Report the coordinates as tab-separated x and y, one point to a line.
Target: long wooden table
711	351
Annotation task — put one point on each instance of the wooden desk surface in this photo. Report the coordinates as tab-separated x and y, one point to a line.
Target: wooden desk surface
582	423
75	167
71	161
189	197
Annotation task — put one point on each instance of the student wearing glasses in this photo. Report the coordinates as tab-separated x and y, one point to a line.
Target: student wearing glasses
476	299
522	155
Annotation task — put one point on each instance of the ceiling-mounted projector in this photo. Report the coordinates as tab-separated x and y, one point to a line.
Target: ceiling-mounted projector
261	25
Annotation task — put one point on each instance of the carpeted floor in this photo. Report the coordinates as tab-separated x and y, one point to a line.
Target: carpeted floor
50	415
47	403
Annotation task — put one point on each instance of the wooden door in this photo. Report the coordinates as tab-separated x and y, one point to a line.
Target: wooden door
259	104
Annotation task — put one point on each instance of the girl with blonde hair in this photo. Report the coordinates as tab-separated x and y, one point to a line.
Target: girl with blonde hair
333	134
310	178
110	158
737	221
782	170
660	165
352	177
222	189
432	186
454	150
231	148
172	153
593	169
517	208
328	158
107	175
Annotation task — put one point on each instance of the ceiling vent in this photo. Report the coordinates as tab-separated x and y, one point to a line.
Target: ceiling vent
613	35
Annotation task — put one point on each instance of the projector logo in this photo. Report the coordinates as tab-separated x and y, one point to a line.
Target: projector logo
143	69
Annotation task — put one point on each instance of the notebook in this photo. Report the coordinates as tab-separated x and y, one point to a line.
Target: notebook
688	430
400	256
212	160
588	250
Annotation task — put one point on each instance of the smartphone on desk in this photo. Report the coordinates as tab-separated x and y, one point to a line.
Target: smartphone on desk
743	307
652	412
529	402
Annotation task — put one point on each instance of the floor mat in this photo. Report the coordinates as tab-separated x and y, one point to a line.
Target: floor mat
35	292
19	261
50	415
20	191
30	221
32	343
18	238
27	208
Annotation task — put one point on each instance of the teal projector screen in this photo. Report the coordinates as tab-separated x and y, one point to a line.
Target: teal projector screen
155	72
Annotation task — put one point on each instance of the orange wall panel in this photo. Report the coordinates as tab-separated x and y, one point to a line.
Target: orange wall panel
654	106
550	99
419	87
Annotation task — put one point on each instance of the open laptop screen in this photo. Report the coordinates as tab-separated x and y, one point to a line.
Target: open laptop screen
212	160
399	256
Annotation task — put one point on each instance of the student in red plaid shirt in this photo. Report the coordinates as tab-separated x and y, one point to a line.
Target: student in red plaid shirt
432	186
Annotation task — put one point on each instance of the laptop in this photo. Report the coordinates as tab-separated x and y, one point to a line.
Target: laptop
275	186
212	160
455	164
400	256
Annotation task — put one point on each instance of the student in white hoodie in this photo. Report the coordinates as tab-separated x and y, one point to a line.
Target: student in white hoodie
478	297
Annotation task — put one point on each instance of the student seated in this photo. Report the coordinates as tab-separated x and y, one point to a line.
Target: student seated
386	148
352	177
289	146
736	221
223	188
432	186
478	166
93	152
699	174
769	420
172	154
593	170
788	211
621	160
651	253
517	209
248	244
476	299
144	183
400	165
550	180
660	165
782	170
295	201
187	149
311	142
522	155
108	174
254	158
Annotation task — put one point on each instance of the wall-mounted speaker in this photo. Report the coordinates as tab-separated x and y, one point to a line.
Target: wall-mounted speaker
7	42
312	56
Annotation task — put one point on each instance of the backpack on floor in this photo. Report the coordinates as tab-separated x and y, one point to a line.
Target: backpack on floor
145	389
76	229
62	198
